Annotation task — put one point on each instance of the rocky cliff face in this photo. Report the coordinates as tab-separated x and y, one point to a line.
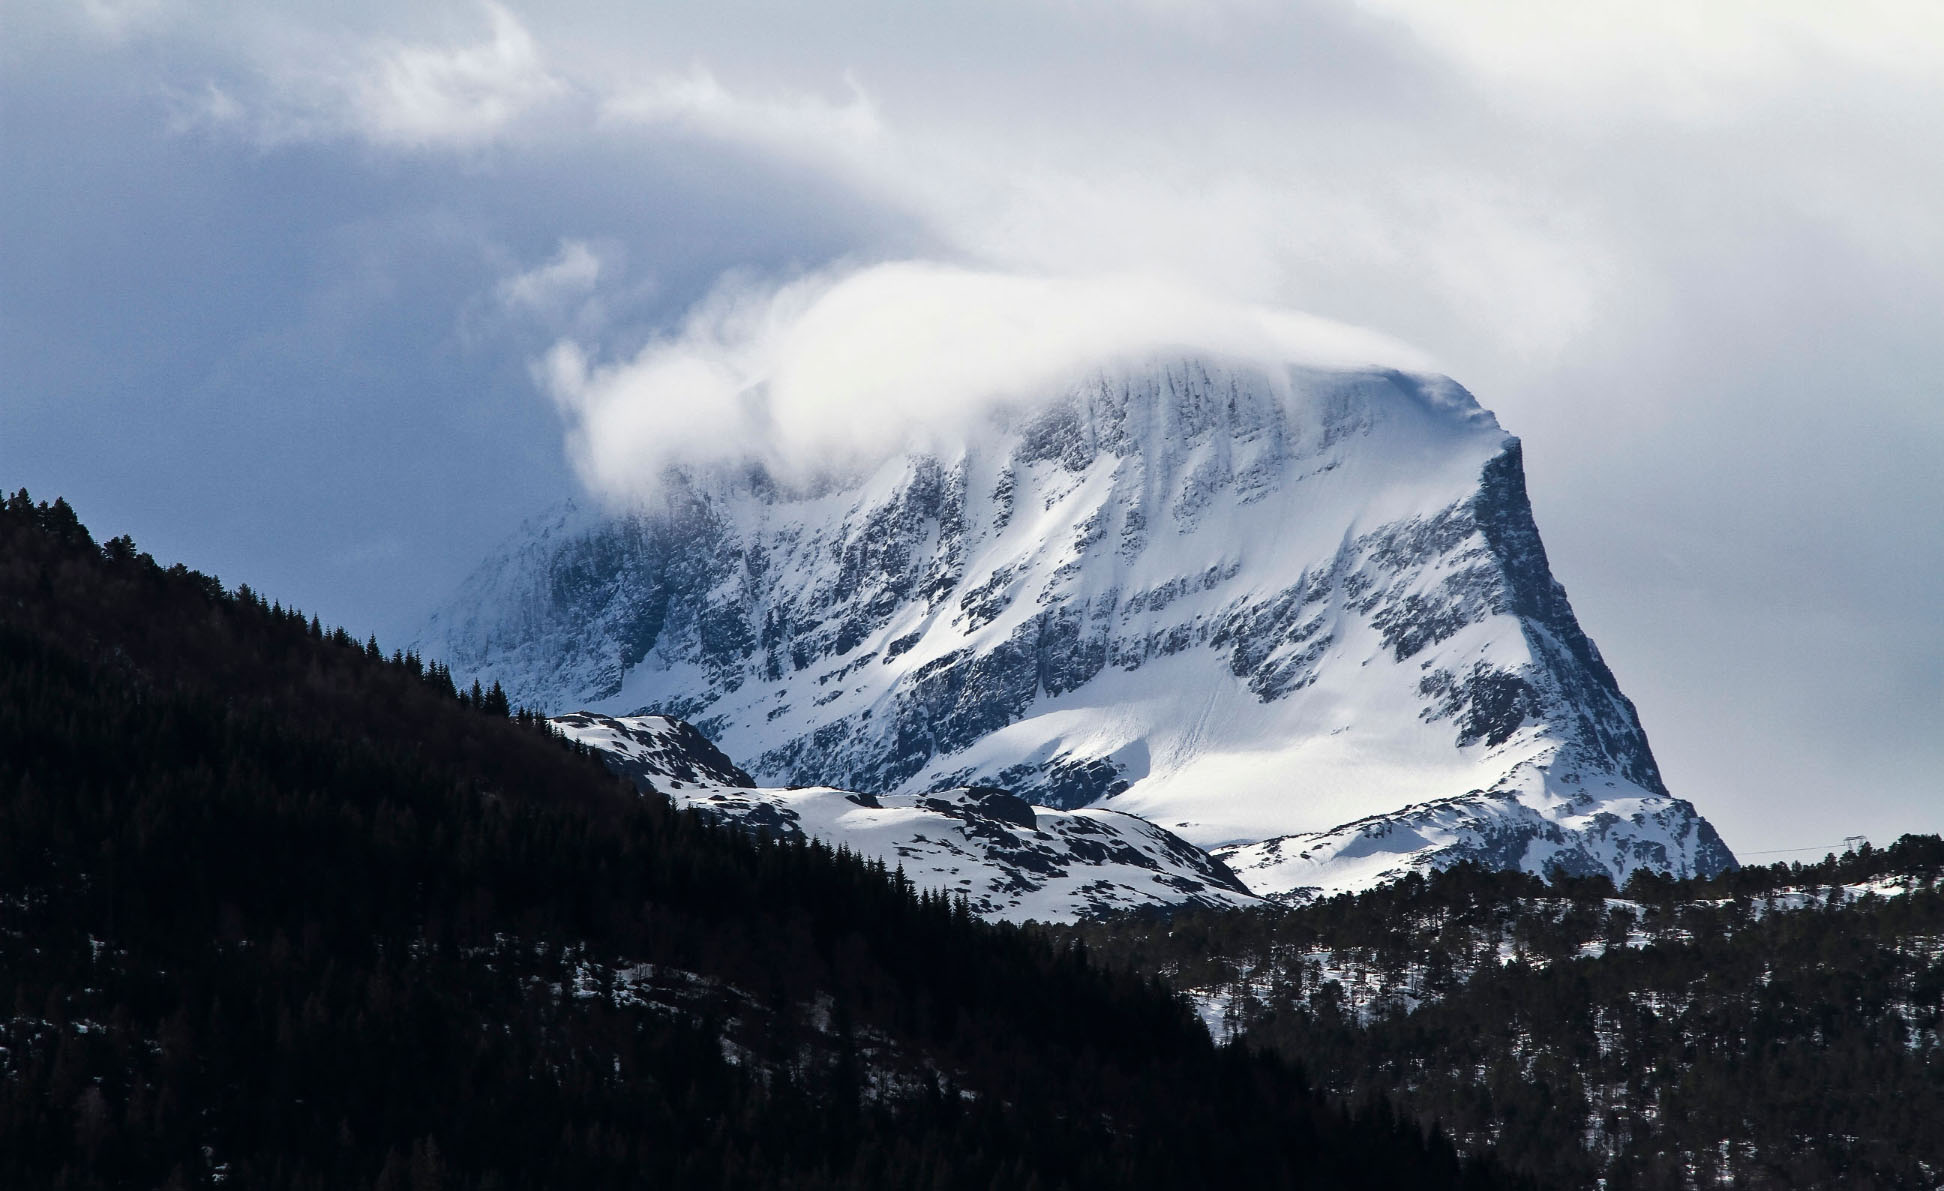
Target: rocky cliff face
1303	611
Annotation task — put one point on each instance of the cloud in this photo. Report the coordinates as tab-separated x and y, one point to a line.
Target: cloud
1292	211
416	95
842	368
796	124
118	19
1524	262
1669	57
298	84
572	273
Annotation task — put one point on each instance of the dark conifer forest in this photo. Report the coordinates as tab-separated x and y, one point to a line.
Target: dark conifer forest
278	910
1776	1027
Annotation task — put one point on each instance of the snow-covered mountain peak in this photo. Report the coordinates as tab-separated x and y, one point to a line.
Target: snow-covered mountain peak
1248	604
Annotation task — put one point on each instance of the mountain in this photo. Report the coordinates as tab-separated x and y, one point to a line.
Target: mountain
1300	614
279	911
1010	860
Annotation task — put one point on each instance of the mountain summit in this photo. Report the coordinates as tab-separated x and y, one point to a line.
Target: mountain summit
1302	617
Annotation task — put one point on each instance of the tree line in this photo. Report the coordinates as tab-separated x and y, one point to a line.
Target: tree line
1774	1027
280	910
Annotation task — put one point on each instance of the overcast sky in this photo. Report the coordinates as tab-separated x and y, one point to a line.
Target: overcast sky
308	296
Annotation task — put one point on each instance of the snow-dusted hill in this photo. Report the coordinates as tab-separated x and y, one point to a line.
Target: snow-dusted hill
1010	860
1298	610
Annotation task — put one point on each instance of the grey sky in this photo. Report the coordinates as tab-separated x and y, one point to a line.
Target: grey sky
274	285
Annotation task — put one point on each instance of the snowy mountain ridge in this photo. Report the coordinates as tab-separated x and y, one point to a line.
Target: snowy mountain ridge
1300	616
1010	860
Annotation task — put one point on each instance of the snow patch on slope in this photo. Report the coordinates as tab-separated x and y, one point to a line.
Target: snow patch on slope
1537	821
1010	860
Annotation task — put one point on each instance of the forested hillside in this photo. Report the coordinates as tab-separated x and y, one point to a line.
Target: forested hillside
279	911
1775	1027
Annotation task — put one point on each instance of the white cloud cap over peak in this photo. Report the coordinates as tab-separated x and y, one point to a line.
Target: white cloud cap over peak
842	368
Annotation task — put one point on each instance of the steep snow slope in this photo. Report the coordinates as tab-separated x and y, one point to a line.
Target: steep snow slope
1011	860
1300	610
